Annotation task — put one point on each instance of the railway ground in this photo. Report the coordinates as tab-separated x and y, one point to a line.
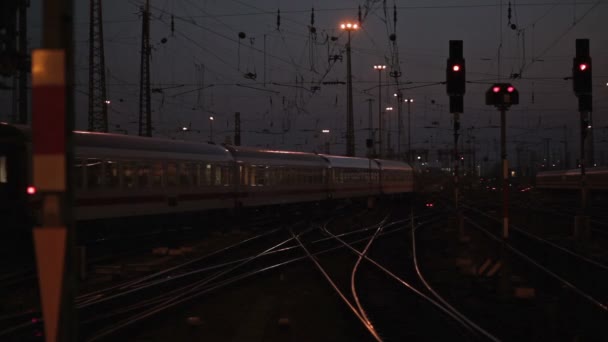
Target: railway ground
283	296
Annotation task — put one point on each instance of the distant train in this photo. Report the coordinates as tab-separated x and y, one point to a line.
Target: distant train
122	178
596	179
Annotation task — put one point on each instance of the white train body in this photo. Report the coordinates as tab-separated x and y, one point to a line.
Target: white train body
118	176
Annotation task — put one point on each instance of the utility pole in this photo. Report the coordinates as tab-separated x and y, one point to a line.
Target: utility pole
566	161
145	110
370	127
350	128
24	65
399	121
380	68
237	129
98	101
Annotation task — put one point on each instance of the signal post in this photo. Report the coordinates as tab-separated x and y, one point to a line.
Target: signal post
456	87
502	96
582	86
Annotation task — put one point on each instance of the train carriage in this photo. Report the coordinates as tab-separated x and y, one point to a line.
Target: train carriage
352	177
268	177
596	177
124	181
395	177
122	176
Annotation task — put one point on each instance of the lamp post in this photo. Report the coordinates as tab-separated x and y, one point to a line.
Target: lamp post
409	129
211	128
327	140
379	68
389	110
399	97
350	128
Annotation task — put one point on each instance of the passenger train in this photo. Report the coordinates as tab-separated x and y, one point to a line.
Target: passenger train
596	179
122	178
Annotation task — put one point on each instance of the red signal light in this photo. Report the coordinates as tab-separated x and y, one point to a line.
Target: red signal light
496	89
582	66
456	67
31	190
510	89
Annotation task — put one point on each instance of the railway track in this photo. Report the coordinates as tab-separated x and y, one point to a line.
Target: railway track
391	300
586	277
109	311
568	289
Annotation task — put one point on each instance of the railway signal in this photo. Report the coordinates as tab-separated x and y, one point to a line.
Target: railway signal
503	96
456	71
583	89
581	69
455	87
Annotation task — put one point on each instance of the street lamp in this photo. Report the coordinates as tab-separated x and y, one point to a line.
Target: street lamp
388	130
379	68
211	128
326	142
350	128
409	129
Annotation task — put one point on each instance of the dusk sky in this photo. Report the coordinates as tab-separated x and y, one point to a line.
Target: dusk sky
205	51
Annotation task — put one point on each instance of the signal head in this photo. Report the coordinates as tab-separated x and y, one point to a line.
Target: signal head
582	66
456	67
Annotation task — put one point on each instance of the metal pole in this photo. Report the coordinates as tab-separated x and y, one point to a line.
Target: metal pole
505	174
583	166
409	132
456	158
52	127
210	130
371	127
566	161
23	66
380	113
350	129
399	122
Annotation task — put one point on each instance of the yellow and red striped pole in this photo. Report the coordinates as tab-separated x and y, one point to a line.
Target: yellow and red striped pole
52	125
49	178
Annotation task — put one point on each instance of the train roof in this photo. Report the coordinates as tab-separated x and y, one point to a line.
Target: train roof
275	157
573	172
122	142
350	162
393	165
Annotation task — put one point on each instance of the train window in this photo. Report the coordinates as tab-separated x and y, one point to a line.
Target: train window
259	176
206	174
143	175
3	169
217	178
242	173
112	177
78	175
227	175
94	173
185	173
157	174
128	175
251	175
198	174
171	174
